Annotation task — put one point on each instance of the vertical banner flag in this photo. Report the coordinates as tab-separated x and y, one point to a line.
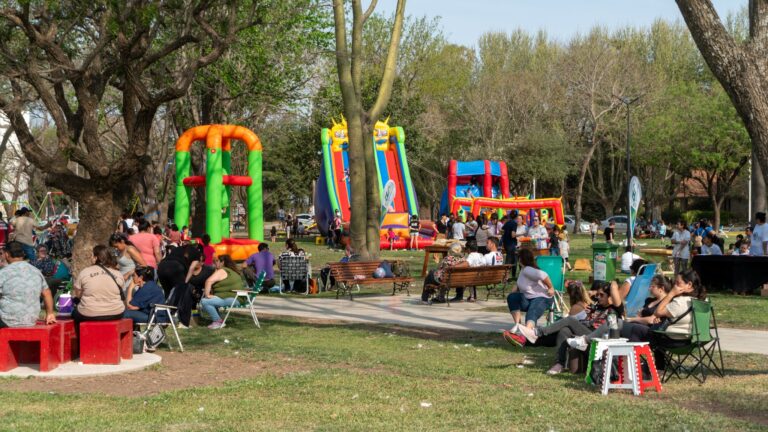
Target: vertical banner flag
387	199
635	193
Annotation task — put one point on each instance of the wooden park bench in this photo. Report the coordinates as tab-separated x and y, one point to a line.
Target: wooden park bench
493	278
350	275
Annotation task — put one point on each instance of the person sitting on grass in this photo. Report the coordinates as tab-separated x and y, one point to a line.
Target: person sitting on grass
99	289
435	277
143	293
225	279
607	301
262	261
534	296
21	286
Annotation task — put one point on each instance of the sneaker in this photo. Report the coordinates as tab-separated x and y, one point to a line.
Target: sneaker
556	369
529	333
182	327
578	342
514	339
216	325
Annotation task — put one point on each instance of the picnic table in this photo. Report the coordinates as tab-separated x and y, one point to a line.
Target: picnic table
658	252
433	249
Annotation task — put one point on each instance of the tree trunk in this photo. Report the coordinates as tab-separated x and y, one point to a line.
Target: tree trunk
580	186
357	181
758	188
98	220
373	198
716	204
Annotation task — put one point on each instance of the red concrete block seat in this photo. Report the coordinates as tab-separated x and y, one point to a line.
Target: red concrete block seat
37	344
106	342
68	340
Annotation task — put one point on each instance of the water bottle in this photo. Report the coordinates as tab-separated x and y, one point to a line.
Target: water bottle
613	325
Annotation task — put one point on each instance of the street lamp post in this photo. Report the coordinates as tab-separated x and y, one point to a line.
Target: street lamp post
628	102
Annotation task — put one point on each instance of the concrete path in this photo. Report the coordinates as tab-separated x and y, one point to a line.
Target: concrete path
76	369
408	311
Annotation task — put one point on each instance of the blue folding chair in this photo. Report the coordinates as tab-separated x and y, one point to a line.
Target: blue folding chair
639	290
554	267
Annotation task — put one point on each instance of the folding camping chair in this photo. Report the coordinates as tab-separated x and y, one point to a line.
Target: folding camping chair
702	350
639	290
554	267
249	295
292	269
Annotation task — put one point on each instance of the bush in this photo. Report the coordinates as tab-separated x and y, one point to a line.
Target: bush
696	215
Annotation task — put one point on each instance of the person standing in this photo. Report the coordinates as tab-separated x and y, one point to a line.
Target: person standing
593	230
24	232
413	230
147	243
681	252
509	242
458	229
538	234
759	239
609	232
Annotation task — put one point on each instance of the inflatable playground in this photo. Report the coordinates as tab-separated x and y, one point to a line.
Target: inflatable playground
218	182
332	193
482	186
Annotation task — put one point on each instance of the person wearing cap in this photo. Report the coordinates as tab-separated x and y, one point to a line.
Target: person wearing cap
455	258
24	232
759	239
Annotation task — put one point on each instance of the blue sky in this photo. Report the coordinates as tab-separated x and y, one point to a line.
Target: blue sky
465	20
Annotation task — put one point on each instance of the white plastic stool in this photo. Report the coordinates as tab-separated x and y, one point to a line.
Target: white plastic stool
630	381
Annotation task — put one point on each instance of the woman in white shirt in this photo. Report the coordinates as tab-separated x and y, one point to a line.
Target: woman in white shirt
534	293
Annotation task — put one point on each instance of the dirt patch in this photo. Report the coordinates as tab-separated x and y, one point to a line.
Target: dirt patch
177	371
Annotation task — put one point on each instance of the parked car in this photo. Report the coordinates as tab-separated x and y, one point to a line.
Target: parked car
570	223
305	219
621	223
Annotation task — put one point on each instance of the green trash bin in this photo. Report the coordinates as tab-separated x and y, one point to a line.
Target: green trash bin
604	261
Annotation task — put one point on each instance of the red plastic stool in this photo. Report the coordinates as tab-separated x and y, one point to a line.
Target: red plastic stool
40	343
655	382
106	342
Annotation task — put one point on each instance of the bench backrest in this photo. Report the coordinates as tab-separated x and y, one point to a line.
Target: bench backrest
293	267
348	270
475	276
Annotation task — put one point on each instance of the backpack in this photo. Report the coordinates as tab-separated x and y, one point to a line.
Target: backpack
400	269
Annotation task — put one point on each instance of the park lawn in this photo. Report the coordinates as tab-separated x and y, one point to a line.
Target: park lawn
362	377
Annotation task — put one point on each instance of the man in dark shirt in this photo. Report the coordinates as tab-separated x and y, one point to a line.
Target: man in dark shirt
509	241
258	262
609	232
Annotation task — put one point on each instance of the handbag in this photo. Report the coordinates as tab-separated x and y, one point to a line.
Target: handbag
139	342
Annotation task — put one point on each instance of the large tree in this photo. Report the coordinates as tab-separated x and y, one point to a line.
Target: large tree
86	64
365	202
741	66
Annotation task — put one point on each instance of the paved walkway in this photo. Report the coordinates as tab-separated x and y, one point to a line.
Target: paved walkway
408	311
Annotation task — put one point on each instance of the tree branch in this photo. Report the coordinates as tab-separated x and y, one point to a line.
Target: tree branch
369	11
388	77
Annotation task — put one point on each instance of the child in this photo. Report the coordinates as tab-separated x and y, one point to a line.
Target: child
392	237
273	233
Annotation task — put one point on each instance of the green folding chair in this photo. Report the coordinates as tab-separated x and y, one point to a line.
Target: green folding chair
704	350
554	267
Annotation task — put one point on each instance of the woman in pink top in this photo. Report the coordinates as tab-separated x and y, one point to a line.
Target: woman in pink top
208	250
147	243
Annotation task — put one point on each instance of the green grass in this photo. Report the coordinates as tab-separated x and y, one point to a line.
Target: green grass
358	377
